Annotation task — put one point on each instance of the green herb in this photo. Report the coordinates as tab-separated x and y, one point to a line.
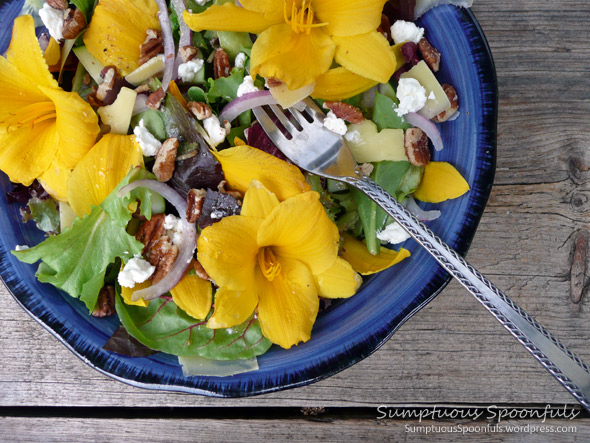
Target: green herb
153	122
384	114
226	88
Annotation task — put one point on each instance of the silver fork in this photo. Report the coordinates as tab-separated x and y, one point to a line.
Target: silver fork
308	144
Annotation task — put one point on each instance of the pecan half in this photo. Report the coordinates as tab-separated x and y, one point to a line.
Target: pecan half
272	82
105	304
162	255
200	270
154	100
200	110
151	46
58	4
187	53
150	231
221	64
195	200
454	99
143	88
164	165
108	74
416	145
430	54
385	27
74	23
347	112
235	194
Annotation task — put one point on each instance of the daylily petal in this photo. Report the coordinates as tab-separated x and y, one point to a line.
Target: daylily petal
349	17
339	281
295	58
299	228
193	295
272	10
440	182
288	305
368	55
227	250
55	180
242	164
26	153
229	17
127	293
52	53
113	38
16	92
340	83
77	125
101	170
232	307
258	201
355	252
24	53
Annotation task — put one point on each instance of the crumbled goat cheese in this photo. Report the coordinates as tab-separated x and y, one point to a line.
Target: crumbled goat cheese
240	60
53	19
21	247
431	96
393	233
174	229
150	145
355	137
247	86
335	124
215	130
403	31
411	95
188	71
137	270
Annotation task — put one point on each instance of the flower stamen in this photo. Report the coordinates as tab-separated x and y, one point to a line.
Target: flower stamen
268	263
31	115
301	18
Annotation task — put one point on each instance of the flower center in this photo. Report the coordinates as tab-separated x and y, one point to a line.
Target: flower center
31	115
268	263
301	18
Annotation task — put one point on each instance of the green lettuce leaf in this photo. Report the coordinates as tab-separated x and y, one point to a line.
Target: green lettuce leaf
384	114
44	212
225	88
85	6
163	326
76	260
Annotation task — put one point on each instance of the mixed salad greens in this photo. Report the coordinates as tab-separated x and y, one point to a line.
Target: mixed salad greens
126	126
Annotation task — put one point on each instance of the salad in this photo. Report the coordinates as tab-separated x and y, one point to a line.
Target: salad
126	127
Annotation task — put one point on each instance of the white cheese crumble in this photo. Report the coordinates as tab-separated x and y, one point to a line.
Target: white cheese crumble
247	86
53	19
149	144
393	233
355	137
21	247
335	124
411	95
174	229
240	60
215	130
403	31
137	270
431	96
188	71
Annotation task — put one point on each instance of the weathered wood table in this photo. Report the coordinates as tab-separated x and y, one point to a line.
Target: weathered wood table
532	242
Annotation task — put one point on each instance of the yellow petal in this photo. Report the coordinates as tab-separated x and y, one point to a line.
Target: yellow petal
232	308
399	57
55	179
173	89
288	305
440	182
368	55
258	201
349	17
295	58
271	9
193	295
339	281
27	152
101	170
127	293
52	53
355	252
16	92
299	228
117	29
24	53
242	164
229	17
340	83
77	125
227	250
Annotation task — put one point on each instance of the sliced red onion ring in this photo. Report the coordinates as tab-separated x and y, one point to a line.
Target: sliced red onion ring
427	126
185	33
168	43
244	103
186	247
420	213
140	105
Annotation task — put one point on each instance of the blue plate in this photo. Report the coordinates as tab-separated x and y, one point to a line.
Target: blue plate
349	331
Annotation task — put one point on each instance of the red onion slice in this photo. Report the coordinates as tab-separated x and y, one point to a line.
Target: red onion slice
427	126
244	103
186	248
168	43
140	105
185	33
420	213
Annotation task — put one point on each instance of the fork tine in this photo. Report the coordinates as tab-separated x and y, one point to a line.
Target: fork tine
299	117
290	127
272	130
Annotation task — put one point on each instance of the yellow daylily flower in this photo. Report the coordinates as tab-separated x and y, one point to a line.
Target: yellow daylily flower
41	126
193	295
276	257
300	39
117	30
355	252
440	182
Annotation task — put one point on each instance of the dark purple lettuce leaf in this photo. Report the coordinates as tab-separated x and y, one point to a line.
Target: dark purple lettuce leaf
216	206
400	10
200	171
258	139
123	343
22	194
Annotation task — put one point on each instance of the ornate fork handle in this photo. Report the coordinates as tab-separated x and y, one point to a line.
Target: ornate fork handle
562	363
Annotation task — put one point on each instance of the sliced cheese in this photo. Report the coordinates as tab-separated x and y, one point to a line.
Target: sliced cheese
154	66
118	115
424	75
